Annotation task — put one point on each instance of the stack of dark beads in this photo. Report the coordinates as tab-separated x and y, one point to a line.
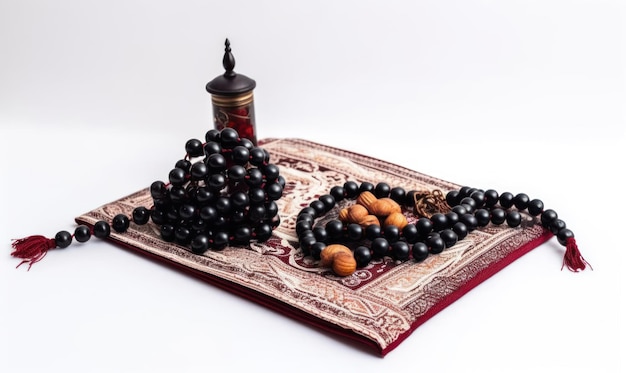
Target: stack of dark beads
222	192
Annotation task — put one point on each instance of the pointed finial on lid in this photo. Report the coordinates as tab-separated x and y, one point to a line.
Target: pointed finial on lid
230	83
229	60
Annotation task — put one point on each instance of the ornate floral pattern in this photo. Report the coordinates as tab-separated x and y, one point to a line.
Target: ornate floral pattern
380	304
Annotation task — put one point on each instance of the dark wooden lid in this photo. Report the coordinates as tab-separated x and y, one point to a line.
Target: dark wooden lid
230	83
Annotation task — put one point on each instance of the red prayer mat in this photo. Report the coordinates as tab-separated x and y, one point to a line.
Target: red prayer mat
379	305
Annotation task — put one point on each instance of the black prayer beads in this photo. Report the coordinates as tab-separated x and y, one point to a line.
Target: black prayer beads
469	209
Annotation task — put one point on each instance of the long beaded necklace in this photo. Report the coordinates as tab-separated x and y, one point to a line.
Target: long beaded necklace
223	192
376	219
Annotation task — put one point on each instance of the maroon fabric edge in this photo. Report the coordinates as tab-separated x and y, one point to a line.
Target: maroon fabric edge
471	284
252	295
302	316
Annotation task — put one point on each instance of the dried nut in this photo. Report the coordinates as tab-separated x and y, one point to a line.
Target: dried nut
397	218
356	213
384	207
344	264
343	215
368	220
327	256
366	199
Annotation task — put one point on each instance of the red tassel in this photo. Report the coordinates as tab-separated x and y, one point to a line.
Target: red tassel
32	249
573	259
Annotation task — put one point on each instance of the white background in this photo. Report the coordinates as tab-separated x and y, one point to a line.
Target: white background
98	98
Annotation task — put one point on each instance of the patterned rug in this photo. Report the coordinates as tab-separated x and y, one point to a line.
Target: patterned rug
379	305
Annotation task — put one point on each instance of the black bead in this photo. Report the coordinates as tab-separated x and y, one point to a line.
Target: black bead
338	193
354	232
254	178
178	194
469	201
461	230
535	207
380	247
410	233
216	182
216	162
141	215
521	201
212	147
200	244
478	197
271	209
82	233
239	200
257	156
229	137
424	226
409	198
63	239
351	189
556	226
240	155
470	221
158	217
366	187
548	217
183	164
207	213
223	206
452	218
307	242
391	233
242	235
400	250
452	197
382	190
372	232
318	206
309	211
177	176
220	240
271	172
513	218
262	232
182	235
236	172
212	135
435	243
303	228
158	190
257	213
328	201
506	200
563	235
459	210
257	195
498	216
420	251
320	234
194	148
491	198
464	192
167	232
334	228
186	211
362	255
482	217
398	194
439	221
315	249
120	223
449	237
